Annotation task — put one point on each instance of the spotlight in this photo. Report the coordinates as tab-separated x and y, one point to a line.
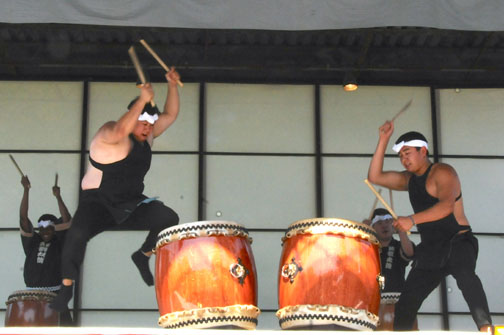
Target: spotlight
349	82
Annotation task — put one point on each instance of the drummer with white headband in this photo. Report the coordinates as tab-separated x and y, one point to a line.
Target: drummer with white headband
447	245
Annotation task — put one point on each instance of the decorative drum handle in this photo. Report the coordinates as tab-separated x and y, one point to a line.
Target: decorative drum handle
239	271
381	281
291	270
188	234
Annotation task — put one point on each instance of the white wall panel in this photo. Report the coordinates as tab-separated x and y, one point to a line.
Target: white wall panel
41	115
482	189
430	322
260	192
12	261
267	250
260	118
489	247
41	170
174	179
110	279
120	319
471	121
350	120
109	101
346	195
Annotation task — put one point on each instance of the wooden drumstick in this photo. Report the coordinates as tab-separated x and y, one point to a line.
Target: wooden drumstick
16	165
390	197
159	60
138	68
402	110
56	180
378	195
374	206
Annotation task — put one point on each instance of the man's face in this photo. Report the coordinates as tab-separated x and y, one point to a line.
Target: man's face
411	158
384	229
46	233
142	130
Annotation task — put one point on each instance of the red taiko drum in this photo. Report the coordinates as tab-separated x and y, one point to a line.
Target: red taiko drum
206	276
30	308
329	275
387	311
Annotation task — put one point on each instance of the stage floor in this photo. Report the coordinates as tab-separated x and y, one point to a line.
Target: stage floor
149	331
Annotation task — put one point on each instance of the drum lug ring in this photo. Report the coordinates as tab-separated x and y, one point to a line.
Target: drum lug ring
239	271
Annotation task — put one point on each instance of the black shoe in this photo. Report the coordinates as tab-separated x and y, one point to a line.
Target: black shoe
142	263
60	303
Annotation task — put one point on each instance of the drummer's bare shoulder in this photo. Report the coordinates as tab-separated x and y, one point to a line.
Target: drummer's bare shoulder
443	179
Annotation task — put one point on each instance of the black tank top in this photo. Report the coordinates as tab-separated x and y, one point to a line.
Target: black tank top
433	232
122	181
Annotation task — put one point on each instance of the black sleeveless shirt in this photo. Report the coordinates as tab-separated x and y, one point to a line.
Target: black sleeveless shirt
122	183
434	232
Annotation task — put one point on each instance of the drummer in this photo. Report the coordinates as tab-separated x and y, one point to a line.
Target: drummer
395	255
119	158
42	267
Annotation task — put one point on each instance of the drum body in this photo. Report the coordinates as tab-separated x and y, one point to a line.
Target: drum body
329	275
387	311
31	309
206	276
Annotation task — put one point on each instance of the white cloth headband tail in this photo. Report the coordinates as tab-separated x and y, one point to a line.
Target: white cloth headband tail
413	143
381	218
147	117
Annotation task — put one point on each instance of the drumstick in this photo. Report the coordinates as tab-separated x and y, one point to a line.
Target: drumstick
159	60
391	200
16	165
56	180
138	68
402	110
374	206
378	195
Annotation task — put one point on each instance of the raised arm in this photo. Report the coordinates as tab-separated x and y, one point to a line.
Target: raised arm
24	222
172	104
114	131
65	214
391	179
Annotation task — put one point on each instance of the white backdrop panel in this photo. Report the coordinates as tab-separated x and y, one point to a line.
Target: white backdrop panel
109	101
350	120
260	192
267	250
260	118
346	195
41	170
430	322
471	121
174	178
482	190
110	278
41	115
487	263
12	263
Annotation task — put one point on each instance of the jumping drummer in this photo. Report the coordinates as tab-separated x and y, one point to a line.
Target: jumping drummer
42	267
120	156
447	244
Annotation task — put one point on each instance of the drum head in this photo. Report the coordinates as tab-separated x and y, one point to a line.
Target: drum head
199	229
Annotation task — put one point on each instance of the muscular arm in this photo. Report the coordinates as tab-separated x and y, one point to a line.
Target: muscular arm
24	222
171	107
391	179
114	131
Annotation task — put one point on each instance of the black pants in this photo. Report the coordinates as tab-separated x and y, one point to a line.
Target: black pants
92	218
461	265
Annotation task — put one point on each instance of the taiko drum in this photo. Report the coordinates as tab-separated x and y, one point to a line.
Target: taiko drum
30	308
206	276
329	275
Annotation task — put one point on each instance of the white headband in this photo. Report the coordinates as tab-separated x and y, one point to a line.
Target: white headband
413	143
147	117
45	223
381	218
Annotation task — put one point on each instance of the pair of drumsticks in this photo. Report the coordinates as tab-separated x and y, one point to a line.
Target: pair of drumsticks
22	174
138	67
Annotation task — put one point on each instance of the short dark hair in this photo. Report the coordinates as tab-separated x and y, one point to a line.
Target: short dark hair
380	212
48	217
411	135
147	107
